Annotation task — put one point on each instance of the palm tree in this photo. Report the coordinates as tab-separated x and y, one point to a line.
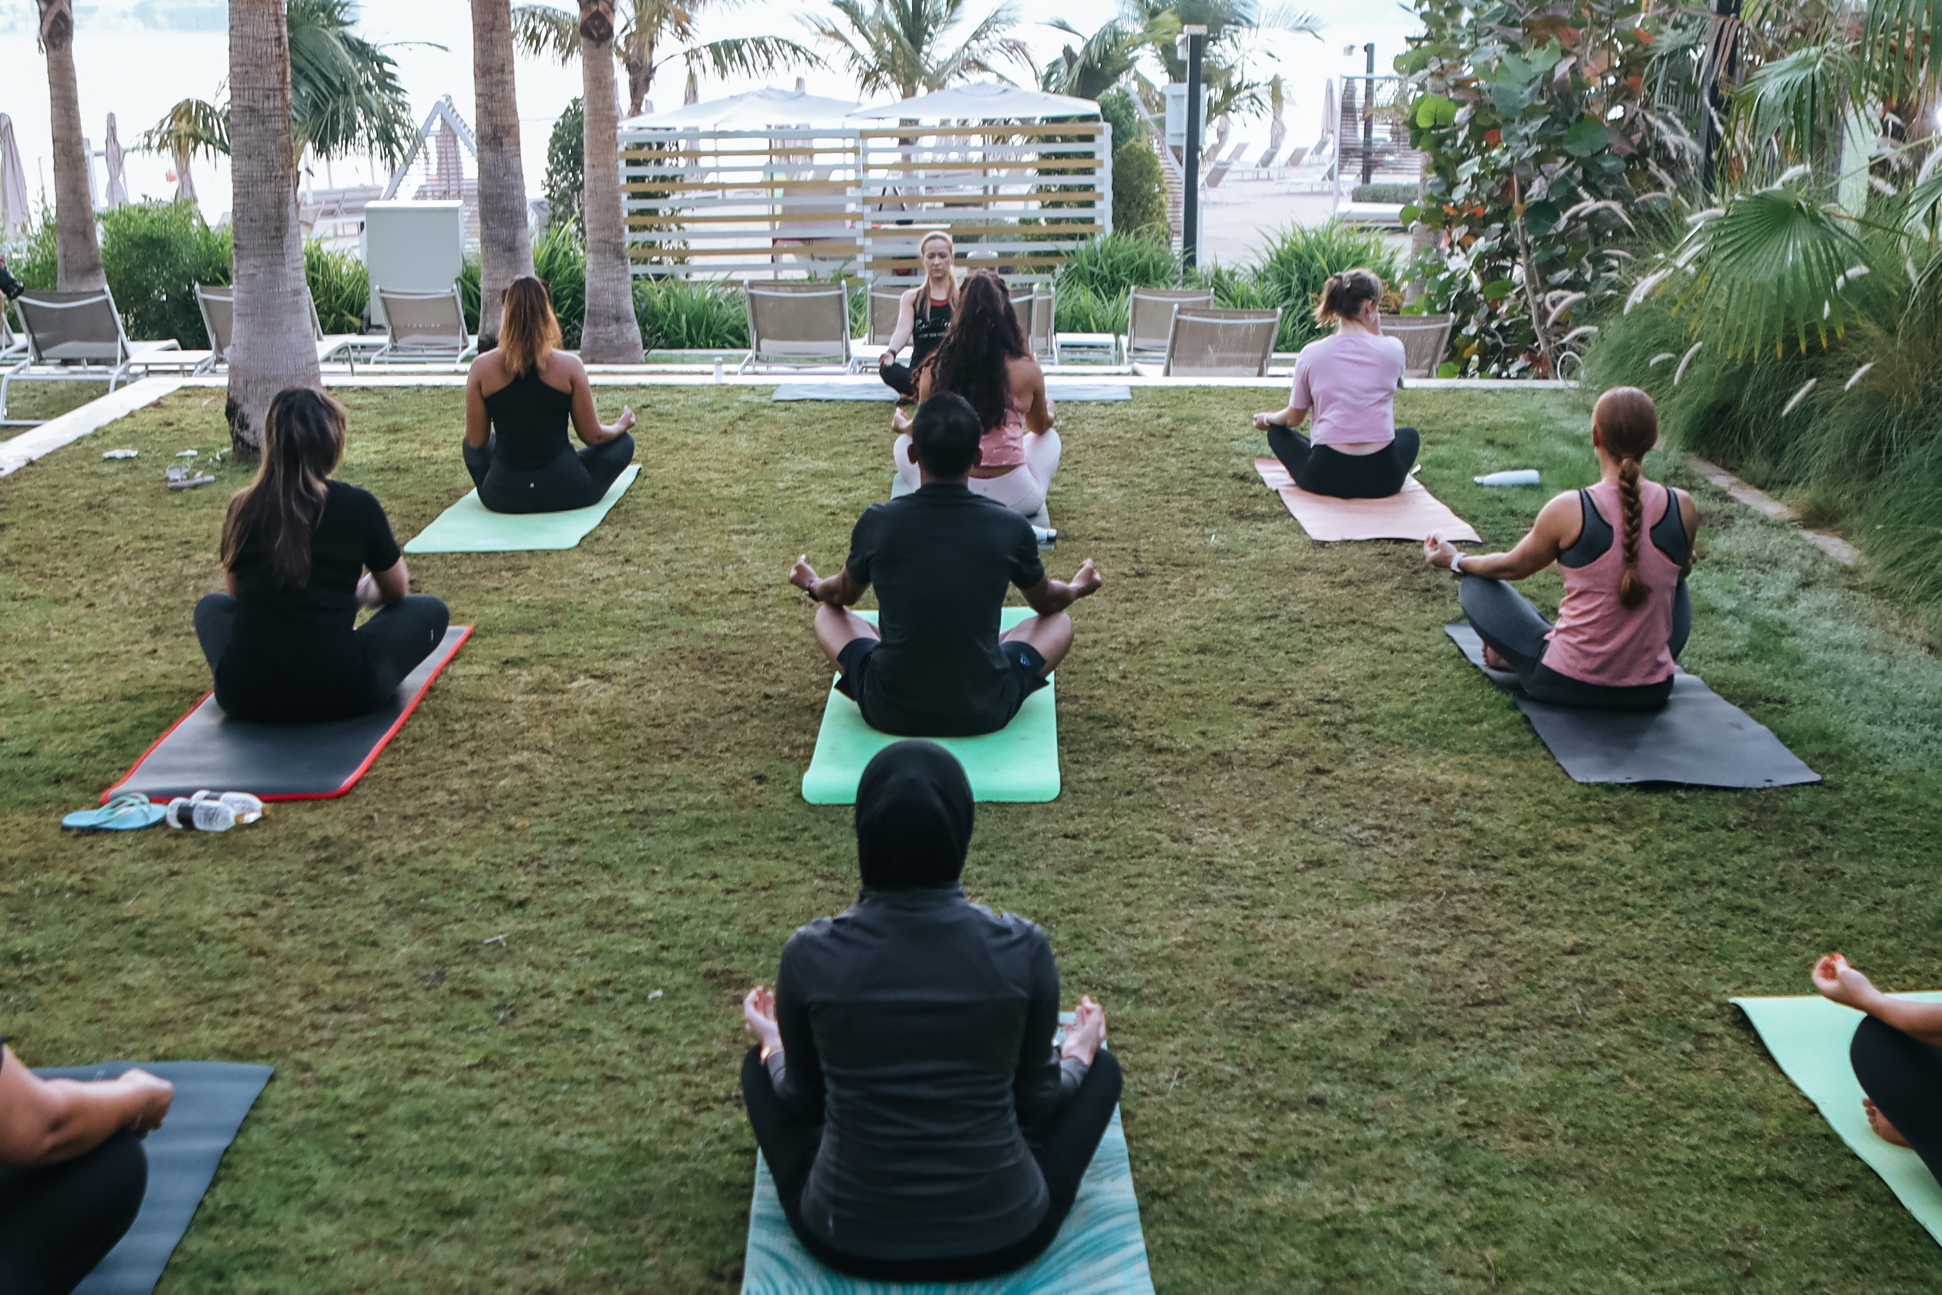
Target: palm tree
912	46
77	253
272	347
1232	25
611	334
1104	58
642	27
505	247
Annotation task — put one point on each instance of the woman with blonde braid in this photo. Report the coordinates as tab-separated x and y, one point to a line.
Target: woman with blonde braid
1626	613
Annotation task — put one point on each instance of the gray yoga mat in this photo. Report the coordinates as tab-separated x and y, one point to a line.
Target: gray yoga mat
1698	738
211	1099
872	389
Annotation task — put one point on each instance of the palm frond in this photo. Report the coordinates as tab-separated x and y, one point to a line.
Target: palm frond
546	32
748	56
191	127
1800	100
345	91
1899	43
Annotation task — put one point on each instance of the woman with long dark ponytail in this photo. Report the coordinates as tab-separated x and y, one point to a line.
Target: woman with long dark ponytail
984	358
282	643
1626	613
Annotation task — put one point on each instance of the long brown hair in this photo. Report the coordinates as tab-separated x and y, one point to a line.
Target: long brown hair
984	335
529	331
1344	295
956	294
303	442
1627	423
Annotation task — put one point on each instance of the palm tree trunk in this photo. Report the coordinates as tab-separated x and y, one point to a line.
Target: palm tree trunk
77	253
611	333
273	347
505	248
640	72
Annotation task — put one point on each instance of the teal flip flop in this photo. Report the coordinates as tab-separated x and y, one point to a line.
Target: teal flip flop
129	813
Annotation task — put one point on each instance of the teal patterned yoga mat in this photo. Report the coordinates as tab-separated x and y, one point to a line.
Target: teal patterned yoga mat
468	526
1100	1250
1809	1038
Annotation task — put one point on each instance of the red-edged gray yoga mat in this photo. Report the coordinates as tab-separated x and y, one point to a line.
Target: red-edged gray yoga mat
1697	738
211	1099
206	748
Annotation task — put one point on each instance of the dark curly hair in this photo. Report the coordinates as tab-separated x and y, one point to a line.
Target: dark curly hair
970	361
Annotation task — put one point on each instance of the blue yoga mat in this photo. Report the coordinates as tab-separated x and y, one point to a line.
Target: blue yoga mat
1100	1250
211	1099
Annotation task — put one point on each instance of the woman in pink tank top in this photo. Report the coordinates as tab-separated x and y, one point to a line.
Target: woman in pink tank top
1624	547
984	358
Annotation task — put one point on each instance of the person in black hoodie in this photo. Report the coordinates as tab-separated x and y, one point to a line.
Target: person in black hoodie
903	1085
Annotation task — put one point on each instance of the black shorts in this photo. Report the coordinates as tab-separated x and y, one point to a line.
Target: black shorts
1027	662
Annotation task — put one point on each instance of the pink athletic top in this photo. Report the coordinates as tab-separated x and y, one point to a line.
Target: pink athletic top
1597	639
1004	445
1349	380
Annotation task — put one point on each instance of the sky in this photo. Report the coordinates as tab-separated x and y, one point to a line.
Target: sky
136	58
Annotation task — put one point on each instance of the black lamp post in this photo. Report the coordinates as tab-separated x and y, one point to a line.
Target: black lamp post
1193	45
1369	116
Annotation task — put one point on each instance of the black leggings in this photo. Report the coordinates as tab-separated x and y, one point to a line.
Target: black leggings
1063	1149
1509	622
392	642
572	480
1903	1076
897	377
1324	470
57	1222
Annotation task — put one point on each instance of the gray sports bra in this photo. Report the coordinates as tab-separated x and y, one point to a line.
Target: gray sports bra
1596	536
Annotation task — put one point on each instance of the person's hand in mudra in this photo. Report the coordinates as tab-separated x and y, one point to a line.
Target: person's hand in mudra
1439	552
758	1018
1836	980
1263	421
1087	1031
1085	581
626	421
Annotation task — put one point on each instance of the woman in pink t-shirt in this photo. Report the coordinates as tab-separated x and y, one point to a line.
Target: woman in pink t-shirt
1623	547
1349	381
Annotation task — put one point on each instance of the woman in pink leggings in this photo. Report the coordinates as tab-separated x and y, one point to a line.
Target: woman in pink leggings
1624	548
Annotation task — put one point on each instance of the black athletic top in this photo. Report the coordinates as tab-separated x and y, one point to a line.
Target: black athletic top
918	1027
940	559
1596	536
529	421
929	326
293	656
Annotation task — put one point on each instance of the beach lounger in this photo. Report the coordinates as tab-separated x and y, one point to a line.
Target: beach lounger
218	305
1035	307
78	337
1149	320
1220	343
1424	338
797	324
12	345
424	327
885	303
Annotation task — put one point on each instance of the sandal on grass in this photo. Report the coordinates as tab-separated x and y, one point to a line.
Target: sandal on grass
129	812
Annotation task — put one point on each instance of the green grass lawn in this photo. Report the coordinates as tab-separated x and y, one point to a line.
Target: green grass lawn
1401	1007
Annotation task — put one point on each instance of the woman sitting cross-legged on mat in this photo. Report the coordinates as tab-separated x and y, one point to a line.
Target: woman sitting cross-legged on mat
1349	380
904	1088
983	358
923	316
518	399
283	643
72	1171
1624	548
1897	1056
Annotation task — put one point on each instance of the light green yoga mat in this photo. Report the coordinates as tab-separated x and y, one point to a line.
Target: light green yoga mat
1809	1037
1020	762
468	526
1099	1251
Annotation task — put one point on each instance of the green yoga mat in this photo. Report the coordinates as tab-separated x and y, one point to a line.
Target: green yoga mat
468	526
1020	762
1099	1251
1809	1037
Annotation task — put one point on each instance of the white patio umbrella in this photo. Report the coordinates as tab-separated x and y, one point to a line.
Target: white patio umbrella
111	157
13	182
984	101
751	111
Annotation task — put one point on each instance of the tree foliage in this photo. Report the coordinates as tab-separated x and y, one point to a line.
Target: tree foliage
912	47
565	169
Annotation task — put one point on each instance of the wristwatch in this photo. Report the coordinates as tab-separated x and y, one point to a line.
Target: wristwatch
1456	565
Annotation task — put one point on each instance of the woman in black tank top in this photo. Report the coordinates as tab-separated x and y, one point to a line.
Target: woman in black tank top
924	317
516	447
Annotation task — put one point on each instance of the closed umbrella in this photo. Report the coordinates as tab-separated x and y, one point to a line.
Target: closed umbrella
185	185
111	156
13	182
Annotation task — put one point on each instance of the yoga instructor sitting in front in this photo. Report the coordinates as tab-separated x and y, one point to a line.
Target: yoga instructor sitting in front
941	558
1349	380
903	1087
1624	548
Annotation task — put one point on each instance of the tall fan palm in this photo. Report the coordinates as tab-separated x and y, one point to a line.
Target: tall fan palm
611	333
642	29
272	347
505	245
915	46
77	253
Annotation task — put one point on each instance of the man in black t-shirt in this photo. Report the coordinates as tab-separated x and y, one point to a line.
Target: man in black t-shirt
941	559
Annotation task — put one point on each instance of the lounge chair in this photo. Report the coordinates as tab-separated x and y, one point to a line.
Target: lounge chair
424	327
1221	343
884	305
797	324
1424	338
78	337
1035	307
218	305
1149	320
1219	170
12	346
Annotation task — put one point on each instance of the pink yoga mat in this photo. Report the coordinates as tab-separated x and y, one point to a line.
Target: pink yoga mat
1411	514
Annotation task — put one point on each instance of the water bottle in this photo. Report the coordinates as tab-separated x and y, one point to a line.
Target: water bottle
1514	477
718	369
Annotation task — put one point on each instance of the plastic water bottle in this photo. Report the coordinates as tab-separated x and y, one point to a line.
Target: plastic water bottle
1514	477
718	369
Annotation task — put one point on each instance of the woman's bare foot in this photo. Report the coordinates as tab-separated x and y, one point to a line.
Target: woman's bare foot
1879	1123
1493	659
